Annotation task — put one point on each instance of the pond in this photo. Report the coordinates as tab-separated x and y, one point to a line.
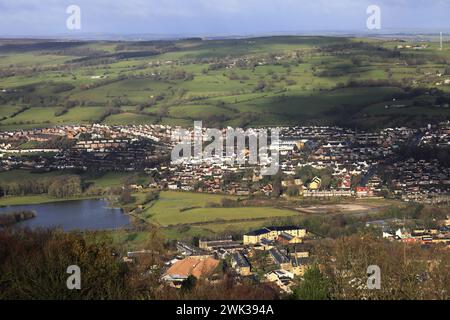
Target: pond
72	215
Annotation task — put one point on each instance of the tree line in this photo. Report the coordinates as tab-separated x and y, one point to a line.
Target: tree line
408	272
58	187
11	218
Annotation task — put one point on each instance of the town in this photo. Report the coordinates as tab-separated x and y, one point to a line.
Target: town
224	158
271	254
315	162
275	256
317	165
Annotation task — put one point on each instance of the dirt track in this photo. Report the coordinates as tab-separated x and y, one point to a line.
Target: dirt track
340	208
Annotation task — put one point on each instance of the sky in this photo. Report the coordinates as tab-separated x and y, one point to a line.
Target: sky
218	17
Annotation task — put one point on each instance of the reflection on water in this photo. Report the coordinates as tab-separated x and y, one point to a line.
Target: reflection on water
73	215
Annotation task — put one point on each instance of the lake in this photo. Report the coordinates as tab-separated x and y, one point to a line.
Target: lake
72	215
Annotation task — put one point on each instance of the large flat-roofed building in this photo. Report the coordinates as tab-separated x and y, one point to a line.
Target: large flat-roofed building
272	233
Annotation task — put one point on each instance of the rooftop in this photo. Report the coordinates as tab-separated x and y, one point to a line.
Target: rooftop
278	256
196	267
240	259
272	228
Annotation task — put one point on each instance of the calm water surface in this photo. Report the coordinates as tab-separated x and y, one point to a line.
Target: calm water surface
73	215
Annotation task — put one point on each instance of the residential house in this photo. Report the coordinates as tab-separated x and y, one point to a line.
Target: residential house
240	263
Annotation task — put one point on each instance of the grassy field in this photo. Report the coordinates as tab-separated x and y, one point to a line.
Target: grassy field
180	215
46	115
129	118
177	208
261	81
37	199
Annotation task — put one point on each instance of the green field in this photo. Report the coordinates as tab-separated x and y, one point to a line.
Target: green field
198	214
170	210
179	215
244	82
37	199
129	118
44	115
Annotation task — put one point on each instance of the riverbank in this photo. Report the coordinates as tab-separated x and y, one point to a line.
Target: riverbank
39	199
11	218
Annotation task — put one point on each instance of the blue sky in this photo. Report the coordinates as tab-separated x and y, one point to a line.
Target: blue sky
203	17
